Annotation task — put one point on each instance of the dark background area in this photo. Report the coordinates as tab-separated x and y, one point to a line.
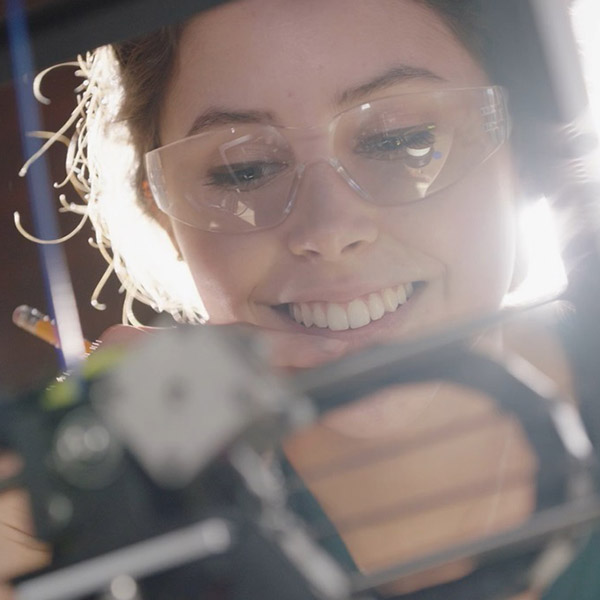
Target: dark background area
24	360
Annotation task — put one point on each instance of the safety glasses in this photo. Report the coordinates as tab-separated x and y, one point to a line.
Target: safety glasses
391	151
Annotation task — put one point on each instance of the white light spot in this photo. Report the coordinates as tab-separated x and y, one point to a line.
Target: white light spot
123	587
546	276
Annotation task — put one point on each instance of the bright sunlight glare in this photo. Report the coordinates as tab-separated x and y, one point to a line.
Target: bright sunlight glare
546	274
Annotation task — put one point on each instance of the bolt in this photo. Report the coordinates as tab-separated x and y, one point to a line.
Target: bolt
60	510
122	587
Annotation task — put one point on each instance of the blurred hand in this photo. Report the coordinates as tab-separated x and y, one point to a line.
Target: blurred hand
20	552
288	351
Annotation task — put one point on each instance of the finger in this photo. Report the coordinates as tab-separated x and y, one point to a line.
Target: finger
10	464
284	349
123	335
6	593
20	551
300	351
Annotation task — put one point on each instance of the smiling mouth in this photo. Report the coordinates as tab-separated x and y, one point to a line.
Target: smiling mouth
357	313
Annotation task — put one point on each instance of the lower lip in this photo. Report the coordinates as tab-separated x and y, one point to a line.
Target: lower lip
386	328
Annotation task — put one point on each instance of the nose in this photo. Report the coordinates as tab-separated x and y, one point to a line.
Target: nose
329	221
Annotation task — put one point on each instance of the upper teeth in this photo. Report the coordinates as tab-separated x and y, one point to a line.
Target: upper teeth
354	314
418	152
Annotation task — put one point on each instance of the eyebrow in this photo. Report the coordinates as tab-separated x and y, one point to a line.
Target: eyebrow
399	74
395	75
215	116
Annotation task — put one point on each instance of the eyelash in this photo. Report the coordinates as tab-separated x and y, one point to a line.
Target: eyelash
387	145
393	145
232	176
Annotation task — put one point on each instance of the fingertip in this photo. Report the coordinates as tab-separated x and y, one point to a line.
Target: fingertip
331	346
10	464
6	592
308	352
120	335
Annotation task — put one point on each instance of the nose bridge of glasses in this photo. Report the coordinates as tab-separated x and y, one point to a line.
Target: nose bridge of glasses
323	177
316	149
311	144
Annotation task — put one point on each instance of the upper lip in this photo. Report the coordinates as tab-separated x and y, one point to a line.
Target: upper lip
333	293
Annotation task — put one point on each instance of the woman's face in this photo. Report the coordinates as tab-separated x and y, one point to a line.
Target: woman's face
294	61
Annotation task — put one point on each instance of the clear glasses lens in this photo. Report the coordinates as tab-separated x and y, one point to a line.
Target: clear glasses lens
393	151
230	180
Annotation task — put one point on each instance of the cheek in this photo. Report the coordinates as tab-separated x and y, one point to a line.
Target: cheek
226	270
469	230
486	238
485	253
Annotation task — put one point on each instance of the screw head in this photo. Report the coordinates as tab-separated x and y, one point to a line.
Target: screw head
85	453
60	510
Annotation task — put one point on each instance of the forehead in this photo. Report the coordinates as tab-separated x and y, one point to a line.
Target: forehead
296	59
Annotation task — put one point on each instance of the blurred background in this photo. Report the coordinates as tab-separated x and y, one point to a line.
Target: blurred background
25	361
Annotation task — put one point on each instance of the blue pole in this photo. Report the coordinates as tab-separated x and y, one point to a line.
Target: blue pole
57	282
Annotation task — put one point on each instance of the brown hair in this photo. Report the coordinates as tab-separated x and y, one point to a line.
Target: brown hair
146	66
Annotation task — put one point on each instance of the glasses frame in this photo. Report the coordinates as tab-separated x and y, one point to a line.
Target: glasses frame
496	122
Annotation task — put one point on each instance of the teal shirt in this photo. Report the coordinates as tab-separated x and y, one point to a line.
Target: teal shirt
581	581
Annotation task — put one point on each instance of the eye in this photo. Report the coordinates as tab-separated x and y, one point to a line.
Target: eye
414	145
245	176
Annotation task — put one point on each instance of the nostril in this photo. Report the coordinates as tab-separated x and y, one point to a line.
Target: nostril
353	246
312	253
331	250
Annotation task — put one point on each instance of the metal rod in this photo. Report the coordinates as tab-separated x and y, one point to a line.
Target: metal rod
204	539
552	522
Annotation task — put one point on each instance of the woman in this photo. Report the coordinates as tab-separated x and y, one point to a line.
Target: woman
336	174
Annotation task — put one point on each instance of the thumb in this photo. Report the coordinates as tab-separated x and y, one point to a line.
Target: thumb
123	335
297	350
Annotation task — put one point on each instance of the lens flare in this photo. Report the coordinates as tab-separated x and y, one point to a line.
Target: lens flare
546	275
